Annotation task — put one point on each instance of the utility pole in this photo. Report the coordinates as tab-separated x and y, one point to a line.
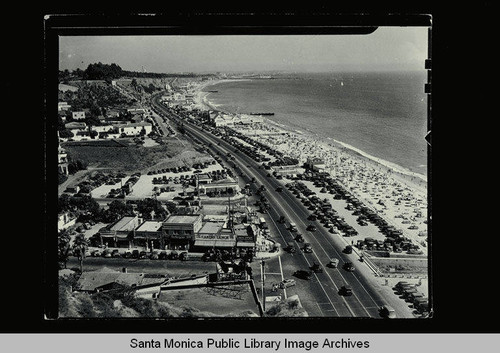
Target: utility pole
263	275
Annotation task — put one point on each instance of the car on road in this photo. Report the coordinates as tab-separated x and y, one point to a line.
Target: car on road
287	283
279	189
345	290
299	238
312	217
291	247
303	274
311	228
348	249
334	262
348	266
387	312
316	268
308	248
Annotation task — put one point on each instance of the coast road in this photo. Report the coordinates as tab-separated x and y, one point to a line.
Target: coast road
323	289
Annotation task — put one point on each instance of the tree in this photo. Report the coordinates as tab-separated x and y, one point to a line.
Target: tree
63	247
80	246
147	205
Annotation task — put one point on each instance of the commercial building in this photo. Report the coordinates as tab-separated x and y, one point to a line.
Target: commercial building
180	230
213	236
119	234
149	234
218	187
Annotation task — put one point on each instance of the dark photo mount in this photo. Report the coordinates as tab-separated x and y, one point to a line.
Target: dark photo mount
201	23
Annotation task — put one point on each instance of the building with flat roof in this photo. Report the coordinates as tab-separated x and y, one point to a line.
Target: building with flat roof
219	187
150	234
119	234
180	230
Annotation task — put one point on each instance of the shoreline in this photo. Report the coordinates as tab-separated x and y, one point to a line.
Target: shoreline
416	180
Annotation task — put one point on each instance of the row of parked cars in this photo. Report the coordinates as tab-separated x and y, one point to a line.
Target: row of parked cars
409	292
138	254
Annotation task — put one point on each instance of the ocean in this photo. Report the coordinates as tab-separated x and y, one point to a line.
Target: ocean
382	114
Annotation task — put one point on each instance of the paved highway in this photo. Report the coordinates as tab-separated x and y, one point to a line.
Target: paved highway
319	296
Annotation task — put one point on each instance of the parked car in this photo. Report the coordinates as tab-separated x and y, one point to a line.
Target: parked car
143	255
135	254
154	255
184	256
348	249
387	312
303	274
287	283
115	253
95	253
106	253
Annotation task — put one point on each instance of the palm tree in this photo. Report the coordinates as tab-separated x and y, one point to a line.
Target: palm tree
80	246
63	247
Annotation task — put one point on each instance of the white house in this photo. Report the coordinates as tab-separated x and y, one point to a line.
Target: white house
78	115
134	129
63	106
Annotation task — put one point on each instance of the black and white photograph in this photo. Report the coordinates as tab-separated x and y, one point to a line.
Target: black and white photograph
247	175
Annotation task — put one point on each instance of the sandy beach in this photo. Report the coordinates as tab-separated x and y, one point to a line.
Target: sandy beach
399	195
200	97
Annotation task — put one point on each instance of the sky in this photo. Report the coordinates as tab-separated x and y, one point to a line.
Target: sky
387	48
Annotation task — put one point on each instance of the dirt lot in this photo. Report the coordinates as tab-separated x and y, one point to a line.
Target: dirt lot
127	156
219	302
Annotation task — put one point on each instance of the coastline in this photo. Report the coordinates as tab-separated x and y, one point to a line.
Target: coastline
414	180
201	97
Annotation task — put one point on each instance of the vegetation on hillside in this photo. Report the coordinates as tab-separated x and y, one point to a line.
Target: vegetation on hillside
120	304
108	72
